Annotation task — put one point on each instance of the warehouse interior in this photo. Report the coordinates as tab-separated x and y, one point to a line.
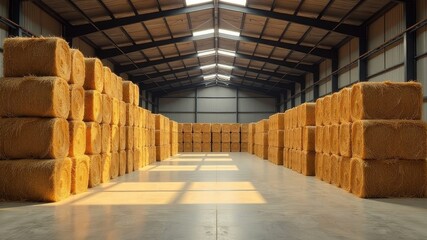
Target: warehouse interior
222	119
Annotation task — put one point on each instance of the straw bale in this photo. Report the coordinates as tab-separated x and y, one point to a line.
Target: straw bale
106	138
345	139
216	147
412	139
34	97
22	138
129	115
294	117
286	136
128	92
298	138
122	162
37	57
187	127
308	138
122	116
180	137
94	79
276	138
206	127
386	100
225	147
137	159
197	127
345	173
93	106
216	137
387	178
308	163
95	170
77	138
77	68
235	137
326	143
244	137
335	169
244	147
244	128
108	82
326	168
136	137
306	114
216	127
207	137
77	103
345	105
115	115
135	95
50	179
115	138
277	121
226	128
296	160
225	137
235	147
335	109
197	137
79	174
264	139
129	161
129	138
318	165
197	147
319	112
136	116
275	155
188	137
206	147
286	157
120	88
93	138
105	167
335	141
188	146
327	110
107	108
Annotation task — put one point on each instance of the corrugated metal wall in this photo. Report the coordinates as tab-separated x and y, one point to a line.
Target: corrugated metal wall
4	6
216	104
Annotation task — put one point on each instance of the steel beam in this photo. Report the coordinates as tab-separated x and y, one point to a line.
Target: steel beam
409	40
15	17
291	78
142	78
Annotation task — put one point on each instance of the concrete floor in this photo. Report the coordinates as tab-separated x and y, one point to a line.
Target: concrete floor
216	196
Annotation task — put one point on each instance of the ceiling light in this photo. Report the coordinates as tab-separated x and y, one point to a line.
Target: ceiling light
208	77
224	77
203	32
205	53
208	66
237	2
225	66
194	2
229	32
227	53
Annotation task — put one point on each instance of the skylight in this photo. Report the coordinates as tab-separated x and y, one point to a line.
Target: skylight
229	32
208	66
203	32
194	2
226	52
209	77
205	53
236	2
223	77
225	66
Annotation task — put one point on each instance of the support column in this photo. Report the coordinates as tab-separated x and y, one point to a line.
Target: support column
409	41
316	78
334	62
195	105
292	95
14	16
237	105
363	48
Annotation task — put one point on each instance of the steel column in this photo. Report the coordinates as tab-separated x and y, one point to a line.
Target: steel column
14	15
410	41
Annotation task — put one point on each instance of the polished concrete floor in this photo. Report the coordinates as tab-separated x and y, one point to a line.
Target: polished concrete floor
216	196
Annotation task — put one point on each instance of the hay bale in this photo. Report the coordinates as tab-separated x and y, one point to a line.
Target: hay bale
197	137
35	180
77	103
43	138
412	139
107	108
244	147
294	117
105	138
216	127
36	57
34	97
225	147
387	178
216	137
129	138
128	92
197	127
206	147
78	68
115	163
119	86
276	121
326	143
226	128
298	138
180	137
137	159
93	138
345	173
235	137
308	138
136	116
386	100
105	167
197	147
206	127
307	114
95	170
335	169
108	84
115	111
115	138
79	174
335	109
244	138
296	161
216	147
326	168
275	155
244	128
307	159
129	161
93	106
136	138
319	112
188	146
77	138
136	95
122	162
335	139
327	110
207	137
345	139
187	128
129	115
235	147
188	137
345	105
318	165
94	74
122	116
225	137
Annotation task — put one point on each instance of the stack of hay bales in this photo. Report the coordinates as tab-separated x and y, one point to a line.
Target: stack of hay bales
33	128
261	139
197	137
174	138
206	137
216	137
188	137
275	138
244	137
180	137
162	137
251	138
225	137
152	136
235	137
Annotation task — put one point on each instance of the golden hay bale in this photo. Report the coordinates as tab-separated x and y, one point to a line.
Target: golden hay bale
78	73
180	137
298	138
244	128
122	116
335	109
335	139
197	127
276	121
319	112
296	160
122	138
326	168
93	138
122	163
197	137
335	169
136	134
235	127
115	138
93	106
225	128
412	139
235	137
180	127
244	137
129	138
286	138
115	86
216	127
128	92
79	174
129	161
77	103
345	105
197	147
106	138
136	95
207	137
327	110
307	114
114	167
345	173
386	100
326	143
137	159
34	97
308	163
216	137
206	147
136	117
318	165
35	180
94	79
120	88
37	57
235	147
107	108
95	170
225	147
225	137
108	85
206	127
216	147
188	137
34	138
105	167
77	138
275	155
115	114
187	127
387	178
129	115
188	147
294	117
345	139
308	138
